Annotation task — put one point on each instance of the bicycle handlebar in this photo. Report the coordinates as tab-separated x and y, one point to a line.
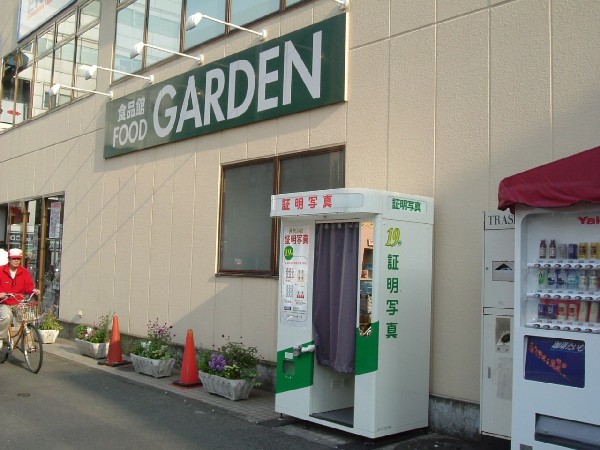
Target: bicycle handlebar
24	299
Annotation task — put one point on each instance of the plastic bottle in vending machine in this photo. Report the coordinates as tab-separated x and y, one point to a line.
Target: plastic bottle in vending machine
583	281
551	279
572	279
542	278
543	249
592	281
552	249
560	281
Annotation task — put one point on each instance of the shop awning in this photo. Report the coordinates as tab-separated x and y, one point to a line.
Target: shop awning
567	181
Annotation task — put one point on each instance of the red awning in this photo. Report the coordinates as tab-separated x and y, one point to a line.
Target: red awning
575	179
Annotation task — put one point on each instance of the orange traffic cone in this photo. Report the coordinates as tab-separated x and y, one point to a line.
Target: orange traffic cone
115	354
189	367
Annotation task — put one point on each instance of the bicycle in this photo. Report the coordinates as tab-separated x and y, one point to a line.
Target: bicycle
27	337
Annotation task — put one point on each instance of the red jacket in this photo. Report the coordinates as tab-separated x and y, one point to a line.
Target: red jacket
21	284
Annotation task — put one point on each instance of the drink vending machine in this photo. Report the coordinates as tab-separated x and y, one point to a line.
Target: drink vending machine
354	309
556	386
556	342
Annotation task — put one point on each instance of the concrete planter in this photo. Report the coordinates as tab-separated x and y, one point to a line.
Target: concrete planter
94	350
154	367
231	389
48	336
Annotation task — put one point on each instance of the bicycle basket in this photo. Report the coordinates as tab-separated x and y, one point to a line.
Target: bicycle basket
25	312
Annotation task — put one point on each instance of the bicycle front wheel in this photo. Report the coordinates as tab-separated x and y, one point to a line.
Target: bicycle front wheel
31	346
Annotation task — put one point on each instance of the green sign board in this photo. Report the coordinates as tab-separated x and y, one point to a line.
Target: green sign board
408	205
302	70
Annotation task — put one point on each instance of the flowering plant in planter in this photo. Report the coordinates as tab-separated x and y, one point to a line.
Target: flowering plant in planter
233	361
49	326
158	343
92	340
96	334
49	321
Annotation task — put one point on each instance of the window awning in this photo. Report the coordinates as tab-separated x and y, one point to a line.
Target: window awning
567	181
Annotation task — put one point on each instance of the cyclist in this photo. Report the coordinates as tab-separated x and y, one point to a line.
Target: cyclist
14	279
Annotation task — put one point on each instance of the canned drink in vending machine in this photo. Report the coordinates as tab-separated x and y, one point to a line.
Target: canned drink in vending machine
562	251
593	312
582	315
542	310
572	310
561	312
583	250
594	250
572	251
551	309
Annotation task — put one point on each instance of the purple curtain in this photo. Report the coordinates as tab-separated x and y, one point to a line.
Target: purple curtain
335	294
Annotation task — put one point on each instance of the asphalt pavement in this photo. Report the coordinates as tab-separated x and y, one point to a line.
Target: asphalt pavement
259	408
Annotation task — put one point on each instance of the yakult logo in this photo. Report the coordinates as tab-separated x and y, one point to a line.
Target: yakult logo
131	131
584	220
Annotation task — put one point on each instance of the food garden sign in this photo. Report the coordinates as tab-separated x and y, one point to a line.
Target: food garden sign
302	70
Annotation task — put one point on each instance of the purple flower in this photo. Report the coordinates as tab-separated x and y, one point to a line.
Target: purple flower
217	362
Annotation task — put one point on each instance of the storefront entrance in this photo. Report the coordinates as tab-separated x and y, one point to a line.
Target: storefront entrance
36	227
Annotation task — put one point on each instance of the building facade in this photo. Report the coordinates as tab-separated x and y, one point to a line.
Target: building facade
153	203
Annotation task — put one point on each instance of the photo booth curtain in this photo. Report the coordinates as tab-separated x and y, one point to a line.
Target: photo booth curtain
335	294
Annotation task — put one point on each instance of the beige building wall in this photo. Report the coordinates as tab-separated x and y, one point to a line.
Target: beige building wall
445	98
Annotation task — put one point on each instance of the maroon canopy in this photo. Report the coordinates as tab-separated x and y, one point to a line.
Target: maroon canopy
570	180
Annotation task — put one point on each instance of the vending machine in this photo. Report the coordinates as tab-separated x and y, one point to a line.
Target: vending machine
556	385
556	345
354	309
